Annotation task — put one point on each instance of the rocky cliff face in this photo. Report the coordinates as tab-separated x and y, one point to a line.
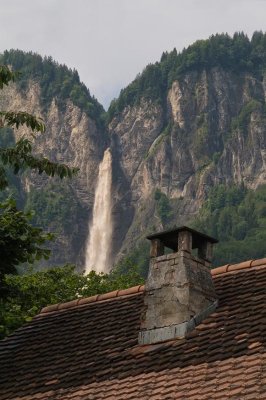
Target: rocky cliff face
211	130
71	137
207	128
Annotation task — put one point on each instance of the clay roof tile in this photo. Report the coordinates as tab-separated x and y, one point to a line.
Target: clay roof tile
220	270
87	349
259	262
87	300
140	288
53	307
107	296
69	304
132	290
242	265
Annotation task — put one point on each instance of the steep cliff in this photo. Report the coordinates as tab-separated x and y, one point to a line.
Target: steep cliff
74	135
187	124
206	128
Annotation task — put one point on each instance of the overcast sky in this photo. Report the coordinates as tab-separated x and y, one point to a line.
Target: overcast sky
110	41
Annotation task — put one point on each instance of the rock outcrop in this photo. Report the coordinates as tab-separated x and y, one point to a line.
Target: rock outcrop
71	137
206	128
211	131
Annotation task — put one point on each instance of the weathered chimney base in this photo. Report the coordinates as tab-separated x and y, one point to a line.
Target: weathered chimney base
179	291
177	331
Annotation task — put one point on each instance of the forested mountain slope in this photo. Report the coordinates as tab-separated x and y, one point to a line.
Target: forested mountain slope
187	128
191	122
74	135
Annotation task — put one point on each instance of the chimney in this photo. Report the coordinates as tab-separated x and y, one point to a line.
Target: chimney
179	291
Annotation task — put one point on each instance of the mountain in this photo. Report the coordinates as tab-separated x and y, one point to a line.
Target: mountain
188	128
187	124
75	134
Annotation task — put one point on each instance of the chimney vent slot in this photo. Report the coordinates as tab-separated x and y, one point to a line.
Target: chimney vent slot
182	239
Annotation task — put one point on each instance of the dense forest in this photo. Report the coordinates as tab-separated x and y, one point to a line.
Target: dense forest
237	217
56	81
237	54
234	215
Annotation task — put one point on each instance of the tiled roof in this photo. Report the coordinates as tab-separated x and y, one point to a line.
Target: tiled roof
88	349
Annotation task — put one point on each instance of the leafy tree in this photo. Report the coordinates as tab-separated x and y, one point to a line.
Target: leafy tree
19	241
138	256
21	297
27	294
20	156
237	217
55	206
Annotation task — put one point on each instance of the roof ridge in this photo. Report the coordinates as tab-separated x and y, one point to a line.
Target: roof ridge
239	266
140	288
93	299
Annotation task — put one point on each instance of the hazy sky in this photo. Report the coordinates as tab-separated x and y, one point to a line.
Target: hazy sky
110	41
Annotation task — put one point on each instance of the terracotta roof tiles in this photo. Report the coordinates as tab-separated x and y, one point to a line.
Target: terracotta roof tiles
88	349
136	289
92	299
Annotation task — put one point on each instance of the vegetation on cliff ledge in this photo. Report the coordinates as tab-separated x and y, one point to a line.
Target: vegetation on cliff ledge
56	82
237	54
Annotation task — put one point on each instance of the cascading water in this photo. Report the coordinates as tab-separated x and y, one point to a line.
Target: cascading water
99	243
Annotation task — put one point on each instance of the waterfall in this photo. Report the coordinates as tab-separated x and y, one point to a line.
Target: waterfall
100	233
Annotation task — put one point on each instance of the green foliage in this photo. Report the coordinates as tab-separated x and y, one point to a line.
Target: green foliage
20	242
200	143
27	294
7	139
242	120
139	257
54	205
10	118
148	85
123	278
163	206
56	81
216	157
21	297
7	76
163	136
237	217
237	54
19	157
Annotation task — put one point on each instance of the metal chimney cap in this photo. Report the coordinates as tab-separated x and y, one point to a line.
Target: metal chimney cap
169	237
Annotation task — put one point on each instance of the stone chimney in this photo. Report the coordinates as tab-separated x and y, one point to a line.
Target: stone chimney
179	291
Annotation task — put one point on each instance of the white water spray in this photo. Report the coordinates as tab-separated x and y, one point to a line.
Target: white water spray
99	243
